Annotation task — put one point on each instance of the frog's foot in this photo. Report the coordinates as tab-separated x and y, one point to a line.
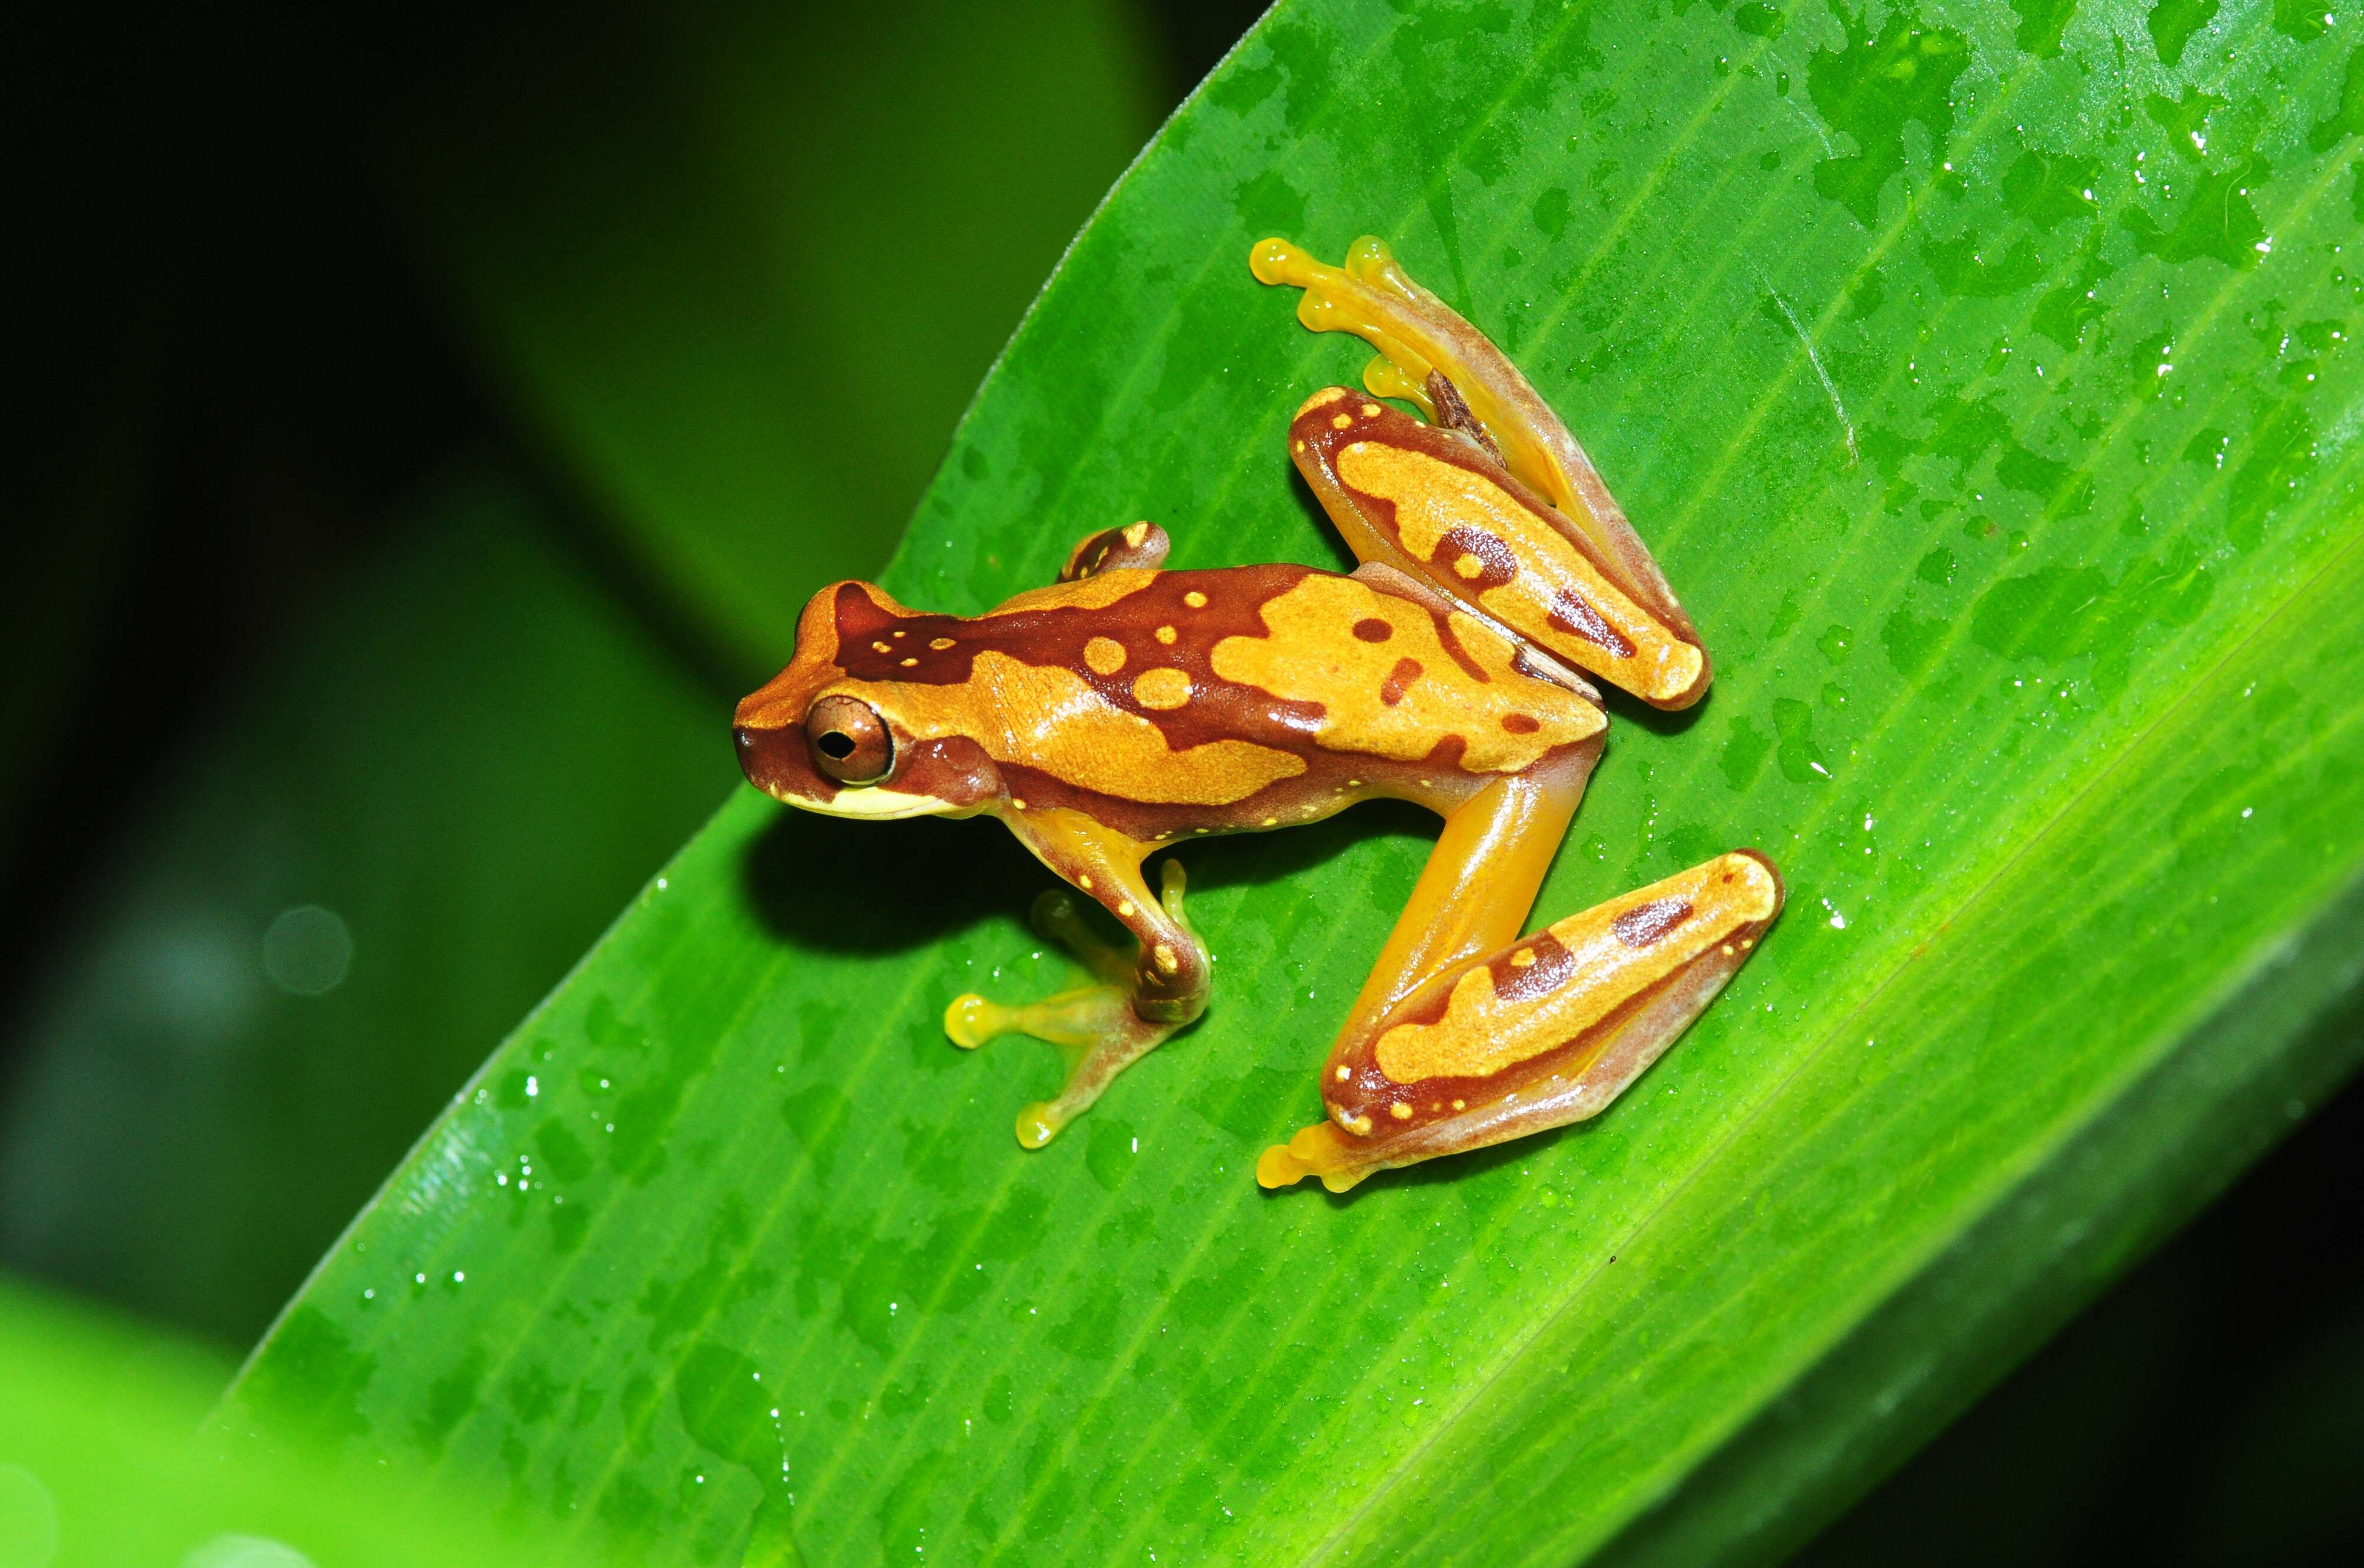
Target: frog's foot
1542	1033
1370	296
1431	356
1098	1027
1095	1028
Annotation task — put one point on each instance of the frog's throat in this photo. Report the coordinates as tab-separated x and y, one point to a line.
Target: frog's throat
871	803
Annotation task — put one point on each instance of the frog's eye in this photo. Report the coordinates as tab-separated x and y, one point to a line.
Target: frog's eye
849	740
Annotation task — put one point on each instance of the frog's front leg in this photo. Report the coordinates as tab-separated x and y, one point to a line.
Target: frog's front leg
1140	546
1542	1032
1137	998
1494	502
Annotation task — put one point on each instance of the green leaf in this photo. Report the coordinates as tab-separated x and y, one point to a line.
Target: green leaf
2022	523
742	290
101	1467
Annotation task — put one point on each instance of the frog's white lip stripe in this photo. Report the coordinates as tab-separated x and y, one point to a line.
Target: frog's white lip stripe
871	803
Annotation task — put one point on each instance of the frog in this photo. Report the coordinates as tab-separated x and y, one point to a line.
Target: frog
1125	710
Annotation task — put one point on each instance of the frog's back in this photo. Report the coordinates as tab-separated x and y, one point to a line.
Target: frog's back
1289	652
1398	680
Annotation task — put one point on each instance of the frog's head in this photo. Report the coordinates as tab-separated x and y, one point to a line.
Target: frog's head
854	727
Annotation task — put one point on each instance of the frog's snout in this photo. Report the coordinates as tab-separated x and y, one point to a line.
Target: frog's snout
772	758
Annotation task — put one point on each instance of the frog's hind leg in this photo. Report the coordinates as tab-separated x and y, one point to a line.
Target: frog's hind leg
1431	356
1543	1032
1494	501
1472	897
1140	994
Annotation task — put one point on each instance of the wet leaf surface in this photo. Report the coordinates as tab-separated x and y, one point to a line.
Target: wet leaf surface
1983	380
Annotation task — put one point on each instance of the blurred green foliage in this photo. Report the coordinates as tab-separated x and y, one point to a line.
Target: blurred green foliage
468	761
740	266
101	1467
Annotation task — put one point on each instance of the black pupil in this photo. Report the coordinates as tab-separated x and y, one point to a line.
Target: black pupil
836	743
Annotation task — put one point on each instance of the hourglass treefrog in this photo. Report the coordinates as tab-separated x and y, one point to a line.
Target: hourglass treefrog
1125	708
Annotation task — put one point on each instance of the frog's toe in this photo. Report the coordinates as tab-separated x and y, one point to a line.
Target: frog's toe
971	1020
1317	1150
1370	296
1039	1123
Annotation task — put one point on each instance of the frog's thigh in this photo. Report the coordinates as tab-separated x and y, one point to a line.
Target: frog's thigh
1479	882
1543	1032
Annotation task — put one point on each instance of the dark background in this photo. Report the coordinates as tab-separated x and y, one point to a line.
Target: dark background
310	599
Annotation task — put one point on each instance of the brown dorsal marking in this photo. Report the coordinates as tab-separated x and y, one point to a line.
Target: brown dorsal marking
1549	966
1645	923
1399	680
1461	655
860	618
1371	628
1574	616
942	649
1496	566
1444	757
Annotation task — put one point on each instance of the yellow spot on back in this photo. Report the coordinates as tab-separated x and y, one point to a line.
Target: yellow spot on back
1134	533
940	643
1340	421
1343	1074
1322	399
1195	600
1165	634
1522	959
1467	565
1400	1111
1105	655
1161	689
1313	655
880	648
1125	906
908	662
1370	410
